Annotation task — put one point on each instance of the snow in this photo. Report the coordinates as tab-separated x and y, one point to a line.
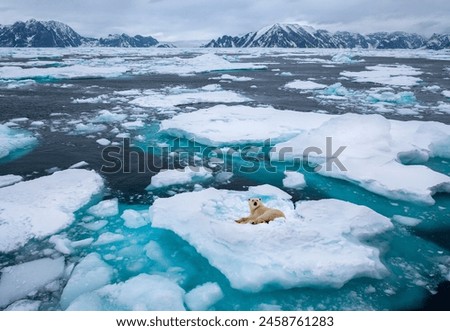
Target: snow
370	155
319	243
44	206
20	280
408	221
105	208
171	97
396	75
133	219
143	292
178	177
294	180
90	274
304	85
103	142
204	296
211	126
8	180
12	140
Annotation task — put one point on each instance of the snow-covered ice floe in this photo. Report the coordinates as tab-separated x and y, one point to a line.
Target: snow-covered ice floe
43	206
319	243
396	75
143	292
304	85
380	155
18	281
12	140
179	176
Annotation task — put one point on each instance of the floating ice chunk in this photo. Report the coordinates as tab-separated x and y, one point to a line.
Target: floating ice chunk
95	226
62	244
446	93
78	165
99	99
81	128
317	245
20	280
24	305
133	219
154	252
397	75
336	90
344	58
8	180
223	177
43	206
133	125
401	98
233	78
143	293
90	274
37	123
294	179
105	116
228	125
108	238
172	97
408	221
12	140
68	72
202	63
103	142
105	208
204	296
178	177
304	85
370	153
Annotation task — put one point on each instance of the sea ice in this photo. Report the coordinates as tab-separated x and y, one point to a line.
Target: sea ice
20	280
304	85
8	180
397	75
24	305
12	140
170	98
133	219
90	274
43	206
105	116
105	208
319	243
108	238
233	78
178	177
143	292
103	142
294	179
227	125
409	221
204	296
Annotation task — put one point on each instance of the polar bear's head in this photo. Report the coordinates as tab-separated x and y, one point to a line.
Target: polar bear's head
254	203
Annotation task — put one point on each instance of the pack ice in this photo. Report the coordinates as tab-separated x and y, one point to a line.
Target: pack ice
319	243
380	155
43	206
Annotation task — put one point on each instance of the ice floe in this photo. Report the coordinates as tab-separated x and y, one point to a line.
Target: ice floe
90	274
8	180
179	176
304	85
12	140
18	281
204	296
43	206
105	208
396	75
319	243
143	292
294	179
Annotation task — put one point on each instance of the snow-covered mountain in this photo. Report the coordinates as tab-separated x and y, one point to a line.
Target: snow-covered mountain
439	41
35	33
297	36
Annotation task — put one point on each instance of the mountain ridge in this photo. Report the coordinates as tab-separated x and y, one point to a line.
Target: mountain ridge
298	36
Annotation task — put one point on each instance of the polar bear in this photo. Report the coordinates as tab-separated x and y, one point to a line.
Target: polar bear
260	213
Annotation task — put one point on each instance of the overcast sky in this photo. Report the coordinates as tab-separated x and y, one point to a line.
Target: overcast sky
174	20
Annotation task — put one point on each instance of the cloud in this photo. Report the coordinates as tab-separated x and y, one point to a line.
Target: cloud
171	20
